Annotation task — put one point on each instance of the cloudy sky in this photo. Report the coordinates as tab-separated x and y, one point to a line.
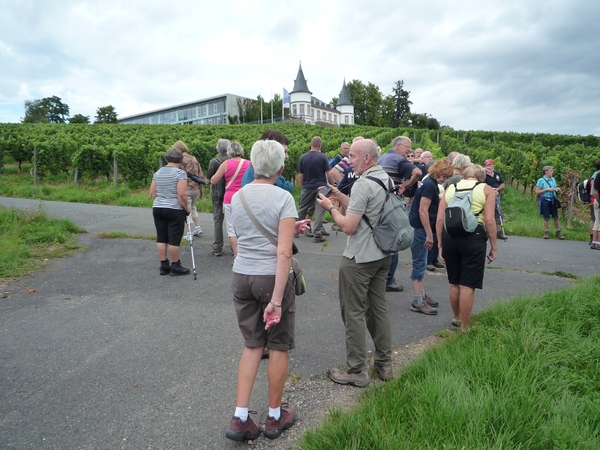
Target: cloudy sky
502	65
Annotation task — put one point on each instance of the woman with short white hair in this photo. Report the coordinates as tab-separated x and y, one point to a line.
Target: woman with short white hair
263	293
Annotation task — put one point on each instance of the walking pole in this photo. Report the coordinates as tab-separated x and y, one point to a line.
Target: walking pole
190	235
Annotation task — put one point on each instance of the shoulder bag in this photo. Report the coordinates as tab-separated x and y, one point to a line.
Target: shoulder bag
299	282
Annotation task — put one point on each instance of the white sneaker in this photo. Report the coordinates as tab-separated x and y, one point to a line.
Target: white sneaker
197	231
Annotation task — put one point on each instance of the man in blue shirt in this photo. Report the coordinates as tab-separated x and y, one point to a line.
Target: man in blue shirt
313	171
405	175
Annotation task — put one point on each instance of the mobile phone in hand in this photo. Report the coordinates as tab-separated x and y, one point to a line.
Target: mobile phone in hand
326	191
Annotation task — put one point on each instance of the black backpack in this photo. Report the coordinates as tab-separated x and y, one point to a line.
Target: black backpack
584	190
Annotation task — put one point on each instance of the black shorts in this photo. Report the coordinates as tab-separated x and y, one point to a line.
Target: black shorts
547	209
465	257
592	213
169	224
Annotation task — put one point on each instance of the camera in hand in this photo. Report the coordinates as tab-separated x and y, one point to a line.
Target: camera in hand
195	178
326	191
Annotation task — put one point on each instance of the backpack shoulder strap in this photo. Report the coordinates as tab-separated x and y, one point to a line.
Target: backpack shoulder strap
387	192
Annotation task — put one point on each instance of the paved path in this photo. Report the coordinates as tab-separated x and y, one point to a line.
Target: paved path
108	354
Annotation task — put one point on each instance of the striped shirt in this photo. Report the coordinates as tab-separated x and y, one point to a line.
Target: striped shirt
166	187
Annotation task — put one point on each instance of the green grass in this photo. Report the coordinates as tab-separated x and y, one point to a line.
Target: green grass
521	210
27	238
526	376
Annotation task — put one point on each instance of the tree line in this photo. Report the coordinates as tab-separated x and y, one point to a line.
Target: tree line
54	110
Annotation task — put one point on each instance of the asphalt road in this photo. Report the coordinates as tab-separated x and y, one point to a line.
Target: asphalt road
99	351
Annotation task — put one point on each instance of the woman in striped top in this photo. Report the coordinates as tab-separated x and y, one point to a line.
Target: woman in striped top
170	208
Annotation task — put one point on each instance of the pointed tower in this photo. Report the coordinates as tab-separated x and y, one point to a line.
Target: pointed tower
345	106
300	98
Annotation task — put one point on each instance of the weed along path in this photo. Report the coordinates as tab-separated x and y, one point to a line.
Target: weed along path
100	351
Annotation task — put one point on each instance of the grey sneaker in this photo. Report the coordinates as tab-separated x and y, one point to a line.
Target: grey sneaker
341	376
431	302
385	372
423	308
455	325
319	238
431	267
394	287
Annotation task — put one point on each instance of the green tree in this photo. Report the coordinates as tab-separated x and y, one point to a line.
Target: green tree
106	114
58	112
401	103
368	103
35	112
79	118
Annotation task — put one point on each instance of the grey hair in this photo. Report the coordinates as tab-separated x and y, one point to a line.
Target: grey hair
399	140
235	149
474	171
369	147
267	158
461	161
222	146
174	155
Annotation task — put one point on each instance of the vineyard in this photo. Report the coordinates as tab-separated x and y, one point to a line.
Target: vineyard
137	149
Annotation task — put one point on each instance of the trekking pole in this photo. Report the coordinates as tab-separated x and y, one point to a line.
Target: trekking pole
190	235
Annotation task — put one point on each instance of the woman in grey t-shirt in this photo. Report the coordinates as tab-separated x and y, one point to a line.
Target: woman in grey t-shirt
169	191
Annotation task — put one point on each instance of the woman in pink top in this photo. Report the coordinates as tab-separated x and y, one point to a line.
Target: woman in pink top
233	170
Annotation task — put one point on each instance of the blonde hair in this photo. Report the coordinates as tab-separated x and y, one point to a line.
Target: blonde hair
474	171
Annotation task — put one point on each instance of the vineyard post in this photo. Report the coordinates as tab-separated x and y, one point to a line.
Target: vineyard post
160	162
35	174
571	199
438	138
115	169
76	176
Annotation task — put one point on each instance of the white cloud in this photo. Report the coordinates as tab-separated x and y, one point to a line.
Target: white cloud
471	64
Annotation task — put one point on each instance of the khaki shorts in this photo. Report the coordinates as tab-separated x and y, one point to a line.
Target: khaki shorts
192	198
596	226
251	295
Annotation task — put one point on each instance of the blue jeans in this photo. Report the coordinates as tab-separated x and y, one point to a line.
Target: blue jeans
392	271
419	255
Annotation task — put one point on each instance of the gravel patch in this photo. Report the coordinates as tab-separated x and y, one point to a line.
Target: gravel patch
313	399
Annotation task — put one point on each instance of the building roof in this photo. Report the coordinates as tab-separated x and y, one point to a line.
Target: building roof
300	84
321	104
344	98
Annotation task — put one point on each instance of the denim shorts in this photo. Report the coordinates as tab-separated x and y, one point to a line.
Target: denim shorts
419	255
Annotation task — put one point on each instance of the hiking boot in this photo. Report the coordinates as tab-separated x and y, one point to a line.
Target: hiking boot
438	265
197	231
546	234
273	428
393	287
319	238
217	252
559	235
385	372
423	308
242	431
296	235
341	376
455	325
178	269
431	302
165	267
431	267
324	233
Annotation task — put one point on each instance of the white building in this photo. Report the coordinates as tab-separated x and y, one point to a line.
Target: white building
312	110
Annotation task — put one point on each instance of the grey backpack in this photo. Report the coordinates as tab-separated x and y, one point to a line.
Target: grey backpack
459	219
392	231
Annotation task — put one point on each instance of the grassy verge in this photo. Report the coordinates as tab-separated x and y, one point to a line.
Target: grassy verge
521	210
526	376
27	238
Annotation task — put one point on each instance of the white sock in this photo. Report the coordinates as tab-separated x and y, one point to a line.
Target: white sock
275	413
242	413
423	294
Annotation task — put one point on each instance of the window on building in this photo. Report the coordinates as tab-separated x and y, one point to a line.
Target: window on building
318	115
215	108
346	120
294	113
330	117
335	118
302	110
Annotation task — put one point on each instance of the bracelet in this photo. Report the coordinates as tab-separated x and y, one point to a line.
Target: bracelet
275	305
331	209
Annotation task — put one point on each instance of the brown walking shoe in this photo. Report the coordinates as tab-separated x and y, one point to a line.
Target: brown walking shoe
274	428
385	372
242	431
559	235
423	308
546	234
431	302
341	376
